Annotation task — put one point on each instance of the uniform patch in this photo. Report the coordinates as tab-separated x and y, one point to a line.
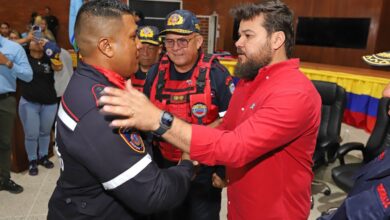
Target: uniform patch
133	139
199	110
146	32
175	19
178	99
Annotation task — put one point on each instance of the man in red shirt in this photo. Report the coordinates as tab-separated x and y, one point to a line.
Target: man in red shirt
268	135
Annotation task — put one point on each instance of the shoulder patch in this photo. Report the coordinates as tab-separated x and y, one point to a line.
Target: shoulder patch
133	139
97	90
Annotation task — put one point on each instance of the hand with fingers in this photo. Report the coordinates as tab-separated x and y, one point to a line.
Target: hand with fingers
218	182
133	107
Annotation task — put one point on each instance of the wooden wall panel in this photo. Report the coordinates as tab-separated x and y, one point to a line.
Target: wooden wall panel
383	42
313	8
17	13
335	8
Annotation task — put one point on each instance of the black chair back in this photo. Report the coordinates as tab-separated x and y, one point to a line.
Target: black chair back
333	103
380	136
332	111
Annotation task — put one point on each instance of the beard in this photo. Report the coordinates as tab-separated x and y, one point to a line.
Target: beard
249	69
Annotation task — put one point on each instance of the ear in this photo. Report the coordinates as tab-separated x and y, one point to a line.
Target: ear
199	41
277	39
105	47
160	49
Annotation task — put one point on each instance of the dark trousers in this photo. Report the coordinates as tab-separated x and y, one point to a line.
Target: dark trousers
203	201
7	119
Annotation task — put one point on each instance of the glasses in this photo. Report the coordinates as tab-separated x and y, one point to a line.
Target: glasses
181	42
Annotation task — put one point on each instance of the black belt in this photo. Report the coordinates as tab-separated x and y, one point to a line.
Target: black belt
5	95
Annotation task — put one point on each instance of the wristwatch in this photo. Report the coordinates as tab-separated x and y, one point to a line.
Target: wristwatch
165	123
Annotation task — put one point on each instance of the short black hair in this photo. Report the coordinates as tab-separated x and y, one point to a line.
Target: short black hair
6	23
101	8
277	17
97	11
140	14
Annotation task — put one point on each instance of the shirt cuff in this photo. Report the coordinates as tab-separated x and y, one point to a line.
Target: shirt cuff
202	147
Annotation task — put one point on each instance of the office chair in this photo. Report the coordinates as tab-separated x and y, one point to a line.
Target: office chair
328	140
344	175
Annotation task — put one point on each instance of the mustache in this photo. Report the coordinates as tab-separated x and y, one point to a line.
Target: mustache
240	52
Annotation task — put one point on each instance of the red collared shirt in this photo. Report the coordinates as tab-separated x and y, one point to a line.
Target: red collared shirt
266	141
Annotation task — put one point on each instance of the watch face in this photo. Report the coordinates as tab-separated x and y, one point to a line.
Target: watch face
167	119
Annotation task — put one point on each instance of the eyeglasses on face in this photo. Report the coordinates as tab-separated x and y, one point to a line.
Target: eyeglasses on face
180	42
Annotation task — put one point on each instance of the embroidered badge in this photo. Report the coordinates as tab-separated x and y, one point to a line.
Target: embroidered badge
49	52
199	110
178	99
133	139
175	19
146	32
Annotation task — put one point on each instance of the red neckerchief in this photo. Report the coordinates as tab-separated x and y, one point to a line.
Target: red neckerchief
112	77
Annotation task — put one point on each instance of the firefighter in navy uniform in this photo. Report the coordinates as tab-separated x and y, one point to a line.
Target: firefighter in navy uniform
197	88
149	54
106	173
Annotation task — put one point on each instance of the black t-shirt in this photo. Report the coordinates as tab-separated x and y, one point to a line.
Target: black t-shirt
140	74
41	88
220	80
52	23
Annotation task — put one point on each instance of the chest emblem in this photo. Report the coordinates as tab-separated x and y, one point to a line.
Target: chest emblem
133	140
199	110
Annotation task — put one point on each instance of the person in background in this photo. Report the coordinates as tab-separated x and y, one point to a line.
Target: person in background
139	18
14	35
62	77
196	88
149	54
267	138
38	104
106	173
13	65
52	21
46	33
4	29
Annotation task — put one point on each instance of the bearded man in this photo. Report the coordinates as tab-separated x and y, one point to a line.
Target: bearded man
268	135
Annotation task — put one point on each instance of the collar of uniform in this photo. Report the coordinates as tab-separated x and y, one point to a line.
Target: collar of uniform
112	76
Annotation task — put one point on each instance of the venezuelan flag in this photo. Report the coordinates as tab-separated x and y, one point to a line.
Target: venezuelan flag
363	92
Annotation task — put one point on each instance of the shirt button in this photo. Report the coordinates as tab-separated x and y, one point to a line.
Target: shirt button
228	202
228	180
267	77
242	109
68	200
83	204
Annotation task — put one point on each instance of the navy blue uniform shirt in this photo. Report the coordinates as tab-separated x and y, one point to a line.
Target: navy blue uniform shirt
106	173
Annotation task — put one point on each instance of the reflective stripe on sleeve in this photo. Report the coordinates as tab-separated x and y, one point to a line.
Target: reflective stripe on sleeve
128	174
66	119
